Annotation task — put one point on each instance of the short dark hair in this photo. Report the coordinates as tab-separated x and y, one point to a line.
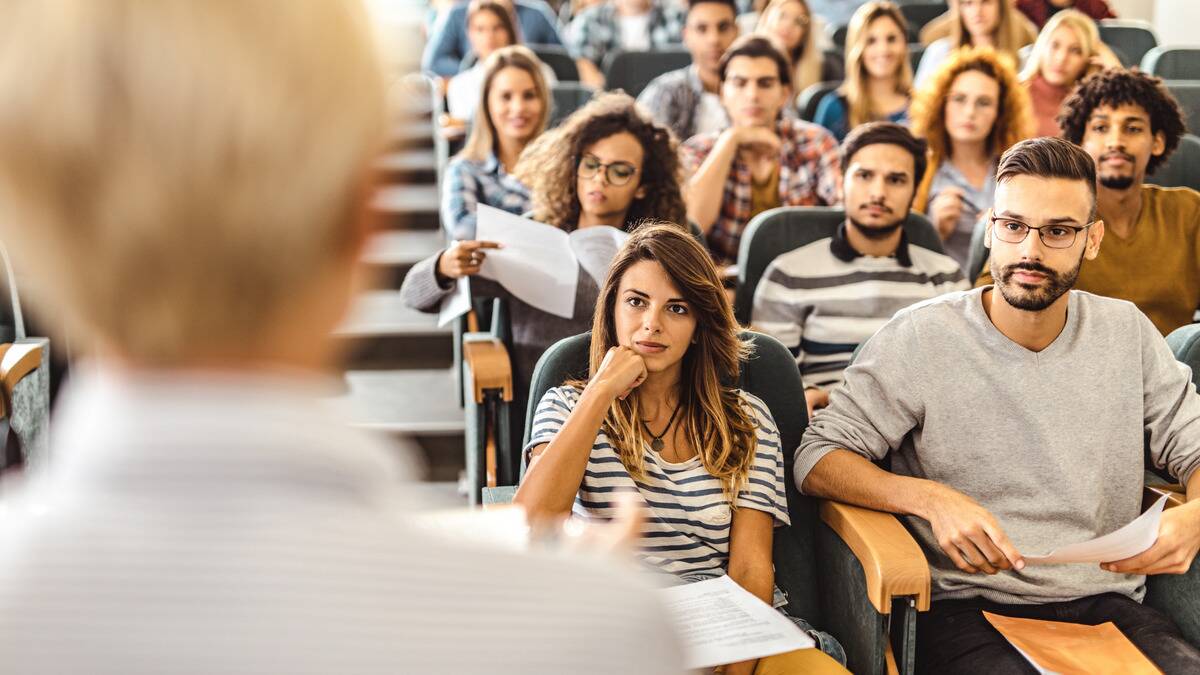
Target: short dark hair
1048	157
1117	87
886	133
731	4
756	47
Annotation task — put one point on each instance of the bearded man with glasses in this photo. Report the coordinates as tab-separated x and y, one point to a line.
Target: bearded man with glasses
1014	418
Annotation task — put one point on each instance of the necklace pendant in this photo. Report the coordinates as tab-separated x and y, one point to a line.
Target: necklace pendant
656	445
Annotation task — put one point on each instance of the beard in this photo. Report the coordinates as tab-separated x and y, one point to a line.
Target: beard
1035	298
1116	182
877	232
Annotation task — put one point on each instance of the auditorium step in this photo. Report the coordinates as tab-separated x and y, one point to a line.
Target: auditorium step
413	133
384	334
409	206
411	165
393	252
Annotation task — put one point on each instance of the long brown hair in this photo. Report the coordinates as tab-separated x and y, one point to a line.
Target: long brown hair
1014	118
1009	36
482	140
548	166
860	107
807	59
713	415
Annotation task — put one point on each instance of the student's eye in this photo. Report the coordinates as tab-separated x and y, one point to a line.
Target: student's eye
898	180
590	163
1137	129
1012	225
622	170
863	174
1058	232
677	309
958	98
634	301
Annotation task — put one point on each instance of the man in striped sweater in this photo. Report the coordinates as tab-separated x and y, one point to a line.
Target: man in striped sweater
825	298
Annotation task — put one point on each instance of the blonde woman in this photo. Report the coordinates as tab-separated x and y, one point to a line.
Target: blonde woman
658	417
978	23
798	32
513	107
1067	51
878	73
970	113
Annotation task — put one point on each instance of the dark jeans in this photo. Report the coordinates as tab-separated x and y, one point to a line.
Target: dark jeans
954	637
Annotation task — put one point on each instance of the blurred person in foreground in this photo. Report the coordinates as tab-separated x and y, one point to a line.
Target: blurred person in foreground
189	180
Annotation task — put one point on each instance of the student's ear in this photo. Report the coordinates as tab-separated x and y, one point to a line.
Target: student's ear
987	229
1095	235
1160	144
641	192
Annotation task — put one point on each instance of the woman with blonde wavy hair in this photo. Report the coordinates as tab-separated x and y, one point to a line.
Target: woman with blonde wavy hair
878	73
978	23
970	113
659	417
798	31
1067	52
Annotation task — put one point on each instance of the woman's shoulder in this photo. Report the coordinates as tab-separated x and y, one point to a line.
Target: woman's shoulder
565	393
756	407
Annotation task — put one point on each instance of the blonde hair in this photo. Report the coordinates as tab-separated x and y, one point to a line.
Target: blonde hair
482	141
806	58
1014	118
1010	35
172	172
713	415
860	107
1085	29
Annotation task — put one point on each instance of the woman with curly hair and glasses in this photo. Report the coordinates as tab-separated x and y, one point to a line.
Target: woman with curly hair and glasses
659	416
972	110
606	164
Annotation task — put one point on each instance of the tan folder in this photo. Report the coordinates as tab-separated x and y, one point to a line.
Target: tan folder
1073	648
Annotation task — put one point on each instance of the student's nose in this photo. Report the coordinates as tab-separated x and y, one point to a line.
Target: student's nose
652	322
1032	249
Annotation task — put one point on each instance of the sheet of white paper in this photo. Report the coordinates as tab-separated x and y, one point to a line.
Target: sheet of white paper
595	248
720	622
456	304
1139	535
1041	670
536	263
501	527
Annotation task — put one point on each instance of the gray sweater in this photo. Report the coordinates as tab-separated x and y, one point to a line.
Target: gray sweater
1051	443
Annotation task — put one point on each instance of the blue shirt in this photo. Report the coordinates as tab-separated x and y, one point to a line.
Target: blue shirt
448	45
834	116
469	183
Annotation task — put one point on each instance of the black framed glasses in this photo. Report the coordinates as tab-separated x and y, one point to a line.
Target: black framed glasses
1013	231
616	173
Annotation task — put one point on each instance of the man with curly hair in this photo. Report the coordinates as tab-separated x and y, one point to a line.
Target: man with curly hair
1130	124
761	161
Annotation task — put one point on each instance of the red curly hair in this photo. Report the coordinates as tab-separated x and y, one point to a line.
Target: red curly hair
1014	120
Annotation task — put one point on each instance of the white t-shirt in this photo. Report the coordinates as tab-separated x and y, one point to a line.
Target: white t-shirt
465	88
635	32
710	115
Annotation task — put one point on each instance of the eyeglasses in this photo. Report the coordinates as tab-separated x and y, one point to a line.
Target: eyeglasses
1053	236
616	173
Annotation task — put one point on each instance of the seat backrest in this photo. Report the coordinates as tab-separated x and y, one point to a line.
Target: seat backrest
770	374
632	71
1173	63
1185	342
811	97
837	34
566	98
916	51
977	255
775	232
1130	39
559	60
1182	168
917	14
1187	92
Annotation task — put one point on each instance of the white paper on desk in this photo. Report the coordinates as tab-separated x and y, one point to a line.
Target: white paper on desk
720	622
595	248
1139	535
504	527
536	263
457	303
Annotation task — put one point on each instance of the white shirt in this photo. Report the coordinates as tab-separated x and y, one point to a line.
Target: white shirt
464	90
224	525
635	32
710	115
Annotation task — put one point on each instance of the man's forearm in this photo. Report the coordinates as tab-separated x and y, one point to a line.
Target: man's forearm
847	477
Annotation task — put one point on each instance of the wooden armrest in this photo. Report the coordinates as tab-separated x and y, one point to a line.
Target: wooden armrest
17	361
1176	496
490	368
892	561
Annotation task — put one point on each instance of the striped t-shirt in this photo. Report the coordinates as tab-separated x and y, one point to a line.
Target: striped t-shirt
687	531
823	302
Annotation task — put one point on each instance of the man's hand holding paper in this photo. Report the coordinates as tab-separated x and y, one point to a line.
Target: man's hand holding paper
1174	549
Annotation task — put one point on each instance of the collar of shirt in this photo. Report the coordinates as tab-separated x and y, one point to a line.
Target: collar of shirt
693	78
185	434
841	249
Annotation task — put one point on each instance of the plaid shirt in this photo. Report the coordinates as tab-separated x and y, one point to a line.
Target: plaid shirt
809	175
595	32
469	183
